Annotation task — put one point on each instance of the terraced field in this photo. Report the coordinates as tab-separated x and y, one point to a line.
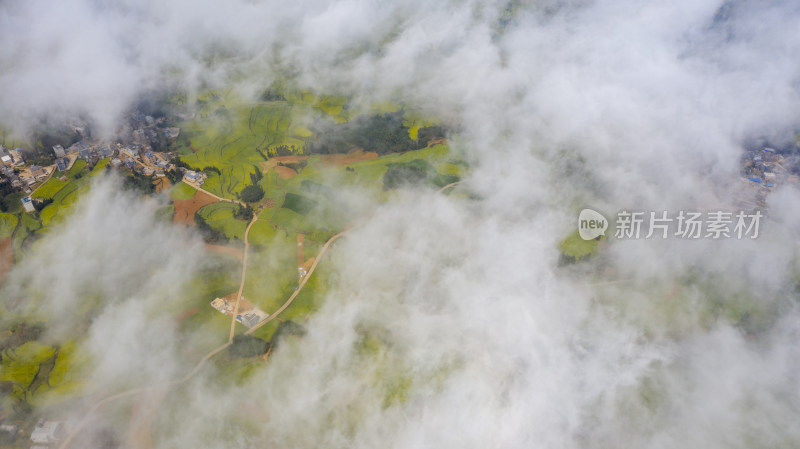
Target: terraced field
49	188
76	168
67	195
21	365
236	136
242	141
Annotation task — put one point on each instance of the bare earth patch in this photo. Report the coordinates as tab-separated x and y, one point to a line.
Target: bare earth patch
273	161
284	172
185	209
6	257
226	250
161	184
187	313
349	158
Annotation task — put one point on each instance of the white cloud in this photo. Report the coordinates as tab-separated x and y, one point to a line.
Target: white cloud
626	104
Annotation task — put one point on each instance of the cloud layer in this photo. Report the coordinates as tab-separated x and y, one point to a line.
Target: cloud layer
450	322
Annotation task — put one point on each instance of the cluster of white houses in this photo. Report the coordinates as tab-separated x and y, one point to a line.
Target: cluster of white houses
44	435
248	314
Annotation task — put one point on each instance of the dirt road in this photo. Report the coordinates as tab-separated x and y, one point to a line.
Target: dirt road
244	273
81	424
300	287
215	196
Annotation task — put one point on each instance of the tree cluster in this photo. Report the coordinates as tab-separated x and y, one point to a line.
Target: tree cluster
210	170
140	183
382	133
252	194
245	346
243	213
415	172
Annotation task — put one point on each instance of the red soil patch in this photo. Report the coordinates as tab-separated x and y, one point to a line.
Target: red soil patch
273	161
349	158
284	172
438	141
288	159
185	209
187	313
6	257
226	250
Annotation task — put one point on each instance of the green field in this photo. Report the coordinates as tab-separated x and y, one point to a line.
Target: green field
235	137
100	166
182	191
272	272
287	219
68	194
219	279
298	203
310	298
65	376
261	233
29	222
49	188
62	200
576	248
20	365
414	122
220	217
76	168
8	223
65	194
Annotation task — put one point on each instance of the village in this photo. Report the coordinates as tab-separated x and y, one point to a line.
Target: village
248	313
135	151
44	434
762	171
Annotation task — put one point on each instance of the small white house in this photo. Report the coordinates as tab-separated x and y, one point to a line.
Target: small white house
48	432
27	204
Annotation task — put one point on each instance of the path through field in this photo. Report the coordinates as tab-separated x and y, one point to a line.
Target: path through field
166	386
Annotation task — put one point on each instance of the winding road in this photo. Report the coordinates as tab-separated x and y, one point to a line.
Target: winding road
83	422
299	287
219	198
244	273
